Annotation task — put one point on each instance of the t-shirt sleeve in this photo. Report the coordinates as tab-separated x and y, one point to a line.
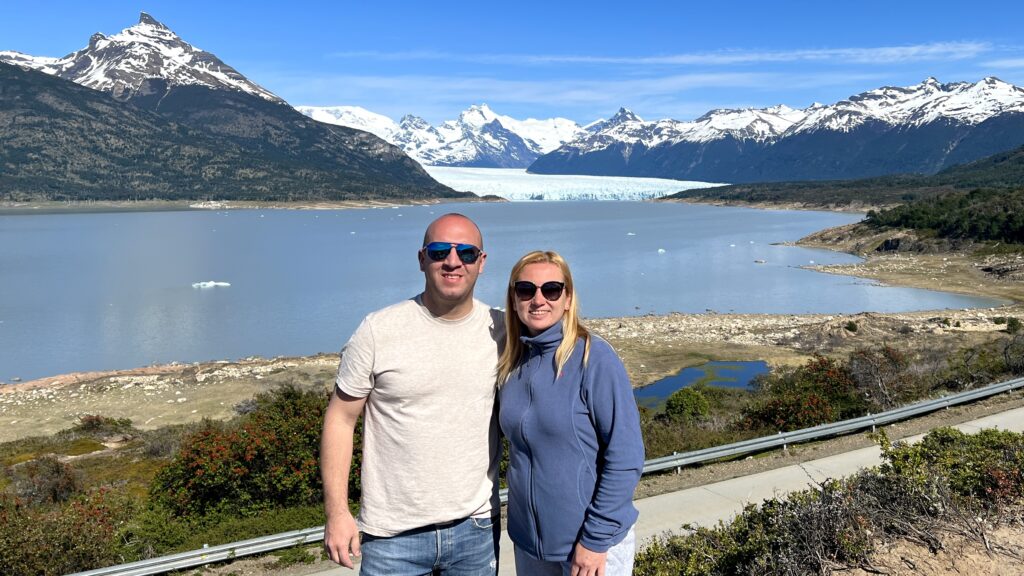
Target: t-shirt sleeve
355	372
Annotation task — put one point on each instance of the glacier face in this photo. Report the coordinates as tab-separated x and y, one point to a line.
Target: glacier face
518	185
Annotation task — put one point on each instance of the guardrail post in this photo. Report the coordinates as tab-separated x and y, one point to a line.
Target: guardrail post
679	469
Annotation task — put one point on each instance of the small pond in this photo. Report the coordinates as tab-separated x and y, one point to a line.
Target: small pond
718	373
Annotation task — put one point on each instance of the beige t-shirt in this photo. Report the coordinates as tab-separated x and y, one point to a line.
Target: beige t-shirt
430	437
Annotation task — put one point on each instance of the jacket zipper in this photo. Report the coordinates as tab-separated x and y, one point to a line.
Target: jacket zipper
526	442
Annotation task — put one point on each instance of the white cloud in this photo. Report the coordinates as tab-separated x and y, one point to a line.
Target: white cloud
679	96
1006	63
883	54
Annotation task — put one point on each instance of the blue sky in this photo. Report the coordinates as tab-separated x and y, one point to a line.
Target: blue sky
578	60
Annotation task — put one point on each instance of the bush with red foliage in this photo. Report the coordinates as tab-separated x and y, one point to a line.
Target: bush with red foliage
267	459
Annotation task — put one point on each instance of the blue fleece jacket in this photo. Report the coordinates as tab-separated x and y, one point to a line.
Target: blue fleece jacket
576	450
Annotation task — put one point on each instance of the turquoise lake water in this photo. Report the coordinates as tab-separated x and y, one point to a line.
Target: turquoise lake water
106	291
718	373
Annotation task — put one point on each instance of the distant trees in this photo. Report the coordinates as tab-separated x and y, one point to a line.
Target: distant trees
983	215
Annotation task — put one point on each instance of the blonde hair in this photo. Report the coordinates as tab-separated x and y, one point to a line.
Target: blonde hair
572	329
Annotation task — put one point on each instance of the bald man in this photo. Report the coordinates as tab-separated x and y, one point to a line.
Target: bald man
422	374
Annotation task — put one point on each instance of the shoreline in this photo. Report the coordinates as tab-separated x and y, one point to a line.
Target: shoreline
651	347
13	208
8	208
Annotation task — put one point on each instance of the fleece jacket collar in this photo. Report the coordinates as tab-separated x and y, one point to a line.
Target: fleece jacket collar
545	342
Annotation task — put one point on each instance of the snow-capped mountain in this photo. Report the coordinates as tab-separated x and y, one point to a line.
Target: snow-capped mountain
749	124
921	128
119	64
26	60
914	106
479	137
354	117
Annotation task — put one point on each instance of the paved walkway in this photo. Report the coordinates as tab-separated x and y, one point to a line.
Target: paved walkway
706	505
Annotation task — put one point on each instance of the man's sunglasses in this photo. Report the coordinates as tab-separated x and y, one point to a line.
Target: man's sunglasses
551	291
439	251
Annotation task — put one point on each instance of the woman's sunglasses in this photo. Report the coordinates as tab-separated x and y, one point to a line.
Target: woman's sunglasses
551	291
439	251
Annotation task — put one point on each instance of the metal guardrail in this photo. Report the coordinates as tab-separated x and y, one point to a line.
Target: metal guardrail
826	430
297	537
211	554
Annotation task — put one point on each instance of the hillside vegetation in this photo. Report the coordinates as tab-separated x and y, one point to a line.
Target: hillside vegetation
1001	171
61	141
949	484
981	215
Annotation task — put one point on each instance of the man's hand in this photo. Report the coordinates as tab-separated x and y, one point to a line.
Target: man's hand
587	562
341	539
341	535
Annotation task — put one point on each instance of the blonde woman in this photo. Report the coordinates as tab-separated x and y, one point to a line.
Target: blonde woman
567	409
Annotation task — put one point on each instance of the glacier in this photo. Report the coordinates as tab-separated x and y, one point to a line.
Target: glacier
517	185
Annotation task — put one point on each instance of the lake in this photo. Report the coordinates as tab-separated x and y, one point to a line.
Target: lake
106	291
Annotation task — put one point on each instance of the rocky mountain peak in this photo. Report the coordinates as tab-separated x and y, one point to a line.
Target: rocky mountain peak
412	122
119	64
622	116
148	20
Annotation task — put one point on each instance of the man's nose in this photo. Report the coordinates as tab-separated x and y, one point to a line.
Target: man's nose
453	258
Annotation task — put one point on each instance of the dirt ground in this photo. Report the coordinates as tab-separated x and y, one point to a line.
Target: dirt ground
1001	553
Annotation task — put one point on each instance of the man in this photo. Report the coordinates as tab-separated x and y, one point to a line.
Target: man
422	372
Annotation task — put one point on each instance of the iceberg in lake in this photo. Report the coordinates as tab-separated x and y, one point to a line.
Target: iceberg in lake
210	284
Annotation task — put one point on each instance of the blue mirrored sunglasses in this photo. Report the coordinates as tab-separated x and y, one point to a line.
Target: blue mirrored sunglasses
438	251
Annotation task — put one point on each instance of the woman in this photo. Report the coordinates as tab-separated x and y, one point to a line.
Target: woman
567	409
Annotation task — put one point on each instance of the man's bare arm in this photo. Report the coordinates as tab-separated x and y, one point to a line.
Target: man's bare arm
341	536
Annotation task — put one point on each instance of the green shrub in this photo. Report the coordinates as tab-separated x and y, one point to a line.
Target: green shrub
94	424
293	556
791	411
77	536
46	480
687	405
987	467
663	437
1013	325
156	531
851	326
920	492
267	459
808	533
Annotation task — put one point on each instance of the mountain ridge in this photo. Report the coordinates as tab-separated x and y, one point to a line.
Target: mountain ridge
922	128
479	138
63	141
151	116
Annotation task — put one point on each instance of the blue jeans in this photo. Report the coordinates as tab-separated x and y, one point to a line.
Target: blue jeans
619	561
462	548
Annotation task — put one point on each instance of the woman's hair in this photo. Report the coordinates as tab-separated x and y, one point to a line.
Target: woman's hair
572	329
